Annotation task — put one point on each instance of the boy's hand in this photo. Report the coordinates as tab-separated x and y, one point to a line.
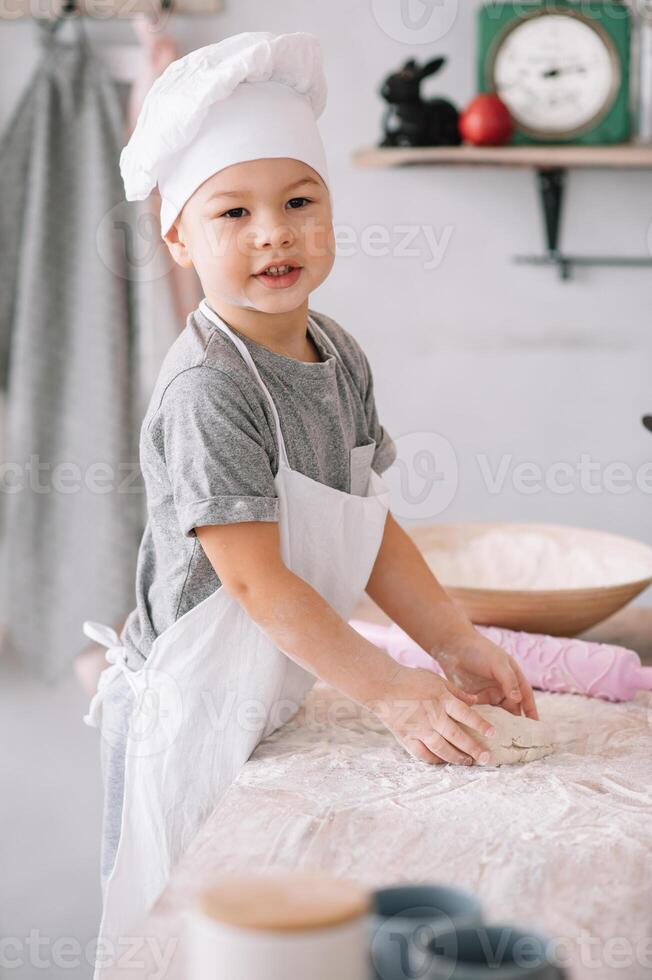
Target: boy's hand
421	711
404	587
480	667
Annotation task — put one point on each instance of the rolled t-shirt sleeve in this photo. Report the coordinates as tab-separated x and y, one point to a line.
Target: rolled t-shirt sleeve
385	452
215	454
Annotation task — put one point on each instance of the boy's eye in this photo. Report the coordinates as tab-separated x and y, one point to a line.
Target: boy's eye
232	212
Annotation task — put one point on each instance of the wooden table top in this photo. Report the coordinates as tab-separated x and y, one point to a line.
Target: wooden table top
332	791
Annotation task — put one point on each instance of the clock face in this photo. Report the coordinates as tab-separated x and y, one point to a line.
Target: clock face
556	73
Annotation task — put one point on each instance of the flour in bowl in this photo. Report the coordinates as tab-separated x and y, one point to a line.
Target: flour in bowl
532	560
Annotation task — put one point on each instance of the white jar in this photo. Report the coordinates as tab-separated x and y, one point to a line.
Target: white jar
297	925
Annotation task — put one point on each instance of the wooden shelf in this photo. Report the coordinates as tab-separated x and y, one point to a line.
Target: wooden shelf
619	155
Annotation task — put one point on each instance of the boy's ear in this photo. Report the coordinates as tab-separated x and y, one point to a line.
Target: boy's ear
177	247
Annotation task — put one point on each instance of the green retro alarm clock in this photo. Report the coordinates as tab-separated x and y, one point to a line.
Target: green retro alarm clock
561	68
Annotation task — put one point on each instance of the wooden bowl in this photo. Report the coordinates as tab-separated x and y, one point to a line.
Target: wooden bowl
589	575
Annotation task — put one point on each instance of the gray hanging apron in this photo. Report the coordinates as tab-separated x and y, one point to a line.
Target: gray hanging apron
72	512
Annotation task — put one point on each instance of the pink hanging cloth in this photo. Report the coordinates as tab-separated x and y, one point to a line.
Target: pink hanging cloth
166	293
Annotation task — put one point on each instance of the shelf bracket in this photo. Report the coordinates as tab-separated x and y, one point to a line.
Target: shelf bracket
551	193
551	184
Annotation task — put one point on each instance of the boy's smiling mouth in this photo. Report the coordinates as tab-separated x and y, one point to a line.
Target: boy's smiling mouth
277	275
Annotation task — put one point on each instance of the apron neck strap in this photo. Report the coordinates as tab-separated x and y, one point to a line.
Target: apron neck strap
219	322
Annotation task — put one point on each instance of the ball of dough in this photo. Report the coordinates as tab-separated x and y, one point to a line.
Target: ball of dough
517	738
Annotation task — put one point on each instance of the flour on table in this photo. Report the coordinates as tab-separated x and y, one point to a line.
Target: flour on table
517	738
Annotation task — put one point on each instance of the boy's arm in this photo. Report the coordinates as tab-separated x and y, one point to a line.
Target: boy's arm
419	707
404	587
246	556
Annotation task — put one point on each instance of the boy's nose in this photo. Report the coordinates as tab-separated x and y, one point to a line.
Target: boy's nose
273	234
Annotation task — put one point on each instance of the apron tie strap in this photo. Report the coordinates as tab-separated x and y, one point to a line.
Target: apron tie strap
117	658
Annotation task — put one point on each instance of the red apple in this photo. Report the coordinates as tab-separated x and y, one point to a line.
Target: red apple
486	121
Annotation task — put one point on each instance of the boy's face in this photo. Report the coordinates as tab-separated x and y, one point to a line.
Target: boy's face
277	210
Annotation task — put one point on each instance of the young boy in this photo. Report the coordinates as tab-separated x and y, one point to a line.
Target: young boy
262	452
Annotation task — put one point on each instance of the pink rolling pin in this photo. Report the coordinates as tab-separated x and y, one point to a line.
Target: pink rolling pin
550	663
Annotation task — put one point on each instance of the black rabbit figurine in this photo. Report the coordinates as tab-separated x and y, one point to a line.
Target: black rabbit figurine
411	121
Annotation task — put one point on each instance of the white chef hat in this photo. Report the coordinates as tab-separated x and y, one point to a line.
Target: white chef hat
250	96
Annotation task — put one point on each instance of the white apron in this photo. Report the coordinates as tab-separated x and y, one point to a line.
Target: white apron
214	684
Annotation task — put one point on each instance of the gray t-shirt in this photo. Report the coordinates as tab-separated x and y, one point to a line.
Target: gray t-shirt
208	452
